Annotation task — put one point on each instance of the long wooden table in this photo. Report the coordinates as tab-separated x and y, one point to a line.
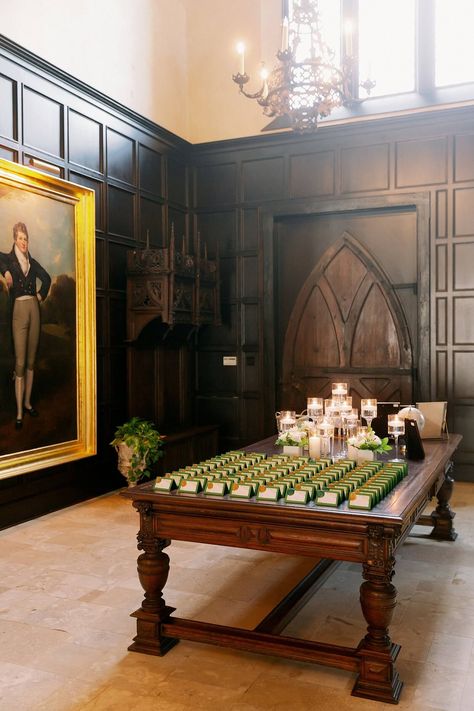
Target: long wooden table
367	537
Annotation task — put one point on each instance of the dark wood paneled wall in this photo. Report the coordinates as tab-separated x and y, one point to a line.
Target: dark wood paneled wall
241	185
142	176
139	174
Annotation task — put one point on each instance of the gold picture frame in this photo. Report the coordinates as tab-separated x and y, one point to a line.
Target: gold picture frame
59	426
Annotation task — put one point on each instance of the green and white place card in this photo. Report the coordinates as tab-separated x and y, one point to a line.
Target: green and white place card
268	493
241	490
359	500
163	483
296	496
329	497
216	488
190	486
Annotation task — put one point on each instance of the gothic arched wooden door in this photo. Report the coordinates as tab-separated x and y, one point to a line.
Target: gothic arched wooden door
347	325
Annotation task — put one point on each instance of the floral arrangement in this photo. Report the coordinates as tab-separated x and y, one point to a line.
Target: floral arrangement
369	440
294	437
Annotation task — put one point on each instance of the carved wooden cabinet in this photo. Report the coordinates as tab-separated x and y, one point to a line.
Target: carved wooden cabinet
172	284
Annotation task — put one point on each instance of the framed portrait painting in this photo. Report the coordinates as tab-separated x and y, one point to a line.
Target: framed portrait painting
47	321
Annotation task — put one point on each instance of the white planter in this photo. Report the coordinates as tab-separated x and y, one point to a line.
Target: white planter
360	455
124	454
293	451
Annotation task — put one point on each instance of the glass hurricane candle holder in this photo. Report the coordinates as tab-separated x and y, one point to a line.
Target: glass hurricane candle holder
339	390
368	409
314	407
396	427
325	430
362	430
286	420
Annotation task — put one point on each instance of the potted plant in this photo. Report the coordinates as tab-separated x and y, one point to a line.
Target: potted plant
293	441
138	445
365	446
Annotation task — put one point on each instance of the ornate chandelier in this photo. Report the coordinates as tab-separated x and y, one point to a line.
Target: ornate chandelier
307	84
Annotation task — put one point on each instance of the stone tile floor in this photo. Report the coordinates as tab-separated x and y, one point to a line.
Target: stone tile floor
68	583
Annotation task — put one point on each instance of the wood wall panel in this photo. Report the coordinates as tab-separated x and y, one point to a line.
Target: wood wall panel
463	374
151	220
149	162
120	157
462	422
8	154
85	142
252	420
312	174
354	174
441	268
464	157
224	411
421	162
43	123
216	184
117	324
7	110
441	214
463	270
101	266
117	264
120	212
178	219
464	212
98	187
250	229
250	285
223	336
213	376
250	373
177	181
219	231
228	278
463	320
250	322
102	322
263	179
441	380
441	321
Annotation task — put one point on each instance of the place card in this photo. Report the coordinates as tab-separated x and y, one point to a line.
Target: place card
190	486
297	496
358	500
216	488
268	493
329	497
164	484
241	491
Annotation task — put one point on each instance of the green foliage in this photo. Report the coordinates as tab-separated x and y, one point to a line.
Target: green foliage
145	441
384	446
286	440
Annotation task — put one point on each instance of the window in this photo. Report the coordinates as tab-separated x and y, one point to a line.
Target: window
417	51
454	62
387	46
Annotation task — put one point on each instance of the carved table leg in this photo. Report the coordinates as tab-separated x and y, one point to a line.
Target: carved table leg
442	517
378	678
153	569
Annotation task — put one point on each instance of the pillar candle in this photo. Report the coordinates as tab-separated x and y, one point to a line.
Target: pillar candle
315	447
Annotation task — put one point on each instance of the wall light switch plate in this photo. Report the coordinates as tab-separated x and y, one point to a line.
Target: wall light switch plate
229	360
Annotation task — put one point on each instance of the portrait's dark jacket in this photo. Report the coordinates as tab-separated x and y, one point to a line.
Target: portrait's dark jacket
24	285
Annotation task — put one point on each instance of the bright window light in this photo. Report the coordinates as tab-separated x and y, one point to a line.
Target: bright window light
330	15
454	21
387	45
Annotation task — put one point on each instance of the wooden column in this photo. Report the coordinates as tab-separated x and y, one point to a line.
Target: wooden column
378	678
153	569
